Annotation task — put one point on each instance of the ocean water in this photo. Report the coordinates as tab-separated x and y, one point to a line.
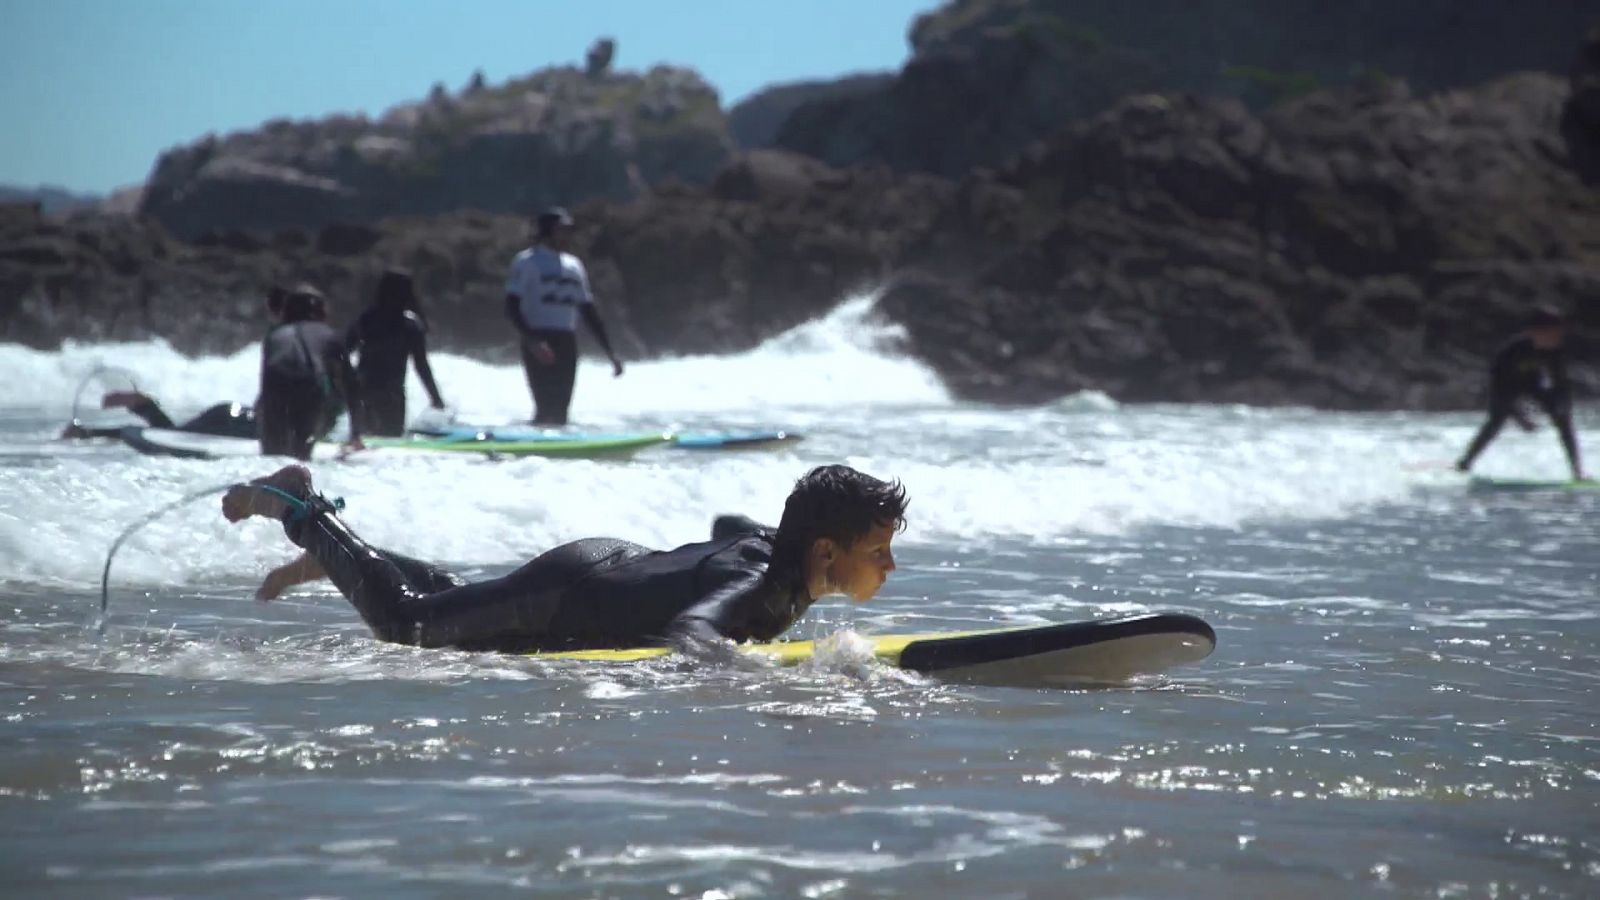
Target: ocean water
1402	702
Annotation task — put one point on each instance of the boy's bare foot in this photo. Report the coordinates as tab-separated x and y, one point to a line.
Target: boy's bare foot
245	500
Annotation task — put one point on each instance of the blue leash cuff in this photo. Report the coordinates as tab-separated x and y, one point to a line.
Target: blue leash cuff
300	509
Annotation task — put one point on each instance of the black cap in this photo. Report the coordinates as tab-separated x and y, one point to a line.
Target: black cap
553	217
1545	317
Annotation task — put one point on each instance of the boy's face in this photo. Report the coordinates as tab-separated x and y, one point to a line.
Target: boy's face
860	569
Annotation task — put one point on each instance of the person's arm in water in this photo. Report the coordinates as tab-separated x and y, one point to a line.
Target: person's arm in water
344	381
419	356
303	569
712	628
597	327
591	317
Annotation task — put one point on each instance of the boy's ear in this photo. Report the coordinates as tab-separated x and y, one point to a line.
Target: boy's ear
826	547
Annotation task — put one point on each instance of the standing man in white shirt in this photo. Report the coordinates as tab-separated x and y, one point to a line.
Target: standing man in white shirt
546	292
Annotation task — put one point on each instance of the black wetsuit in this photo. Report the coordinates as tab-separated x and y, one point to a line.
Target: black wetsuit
304	371
592	593
222	419
386	341
1520	370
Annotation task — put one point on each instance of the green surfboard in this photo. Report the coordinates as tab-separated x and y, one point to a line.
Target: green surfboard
1512	485
186	445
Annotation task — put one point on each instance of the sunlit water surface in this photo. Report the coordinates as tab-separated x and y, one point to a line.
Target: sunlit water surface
1402	702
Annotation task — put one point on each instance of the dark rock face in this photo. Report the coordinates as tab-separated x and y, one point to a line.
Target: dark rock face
559	136
114	278
1580	123
988	76
756	119
1362	248
775	242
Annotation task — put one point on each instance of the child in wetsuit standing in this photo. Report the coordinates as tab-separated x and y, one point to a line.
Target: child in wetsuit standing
1530	366
304	372
388	334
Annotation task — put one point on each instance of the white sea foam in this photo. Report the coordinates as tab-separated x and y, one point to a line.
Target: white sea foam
975	473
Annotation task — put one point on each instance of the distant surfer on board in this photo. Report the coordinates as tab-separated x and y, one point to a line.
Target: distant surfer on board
221	419
1530	366
834	537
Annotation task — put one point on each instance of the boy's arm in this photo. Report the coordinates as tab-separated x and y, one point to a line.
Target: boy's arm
419	356
302	570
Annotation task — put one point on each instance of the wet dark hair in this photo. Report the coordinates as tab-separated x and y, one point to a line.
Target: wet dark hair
836	502
397	291
1544	317
304	303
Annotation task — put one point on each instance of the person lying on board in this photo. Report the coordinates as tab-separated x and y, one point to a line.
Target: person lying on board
1530	366
597	593
222	419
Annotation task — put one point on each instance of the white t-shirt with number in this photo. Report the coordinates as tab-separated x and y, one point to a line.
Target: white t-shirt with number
549	286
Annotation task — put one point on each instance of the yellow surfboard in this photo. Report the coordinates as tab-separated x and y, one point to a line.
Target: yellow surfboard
1106	650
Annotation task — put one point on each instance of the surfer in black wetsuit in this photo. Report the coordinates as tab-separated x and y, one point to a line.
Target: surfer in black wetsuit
1530	366
389	333
221	419
305	371
546	292
834	537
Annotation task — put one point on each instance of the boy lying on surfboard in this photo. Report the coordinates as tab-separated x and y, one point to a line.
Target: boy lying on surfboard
834	537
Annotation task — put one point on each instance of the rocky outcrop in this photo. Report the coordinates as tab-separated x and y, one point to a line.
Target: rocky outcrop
1360	248
987	77
756	119
774	241
50	199
558	136
1580	122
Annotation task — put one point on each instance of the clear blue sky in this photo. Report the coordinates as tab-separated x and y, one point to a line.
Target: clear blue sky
91	91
